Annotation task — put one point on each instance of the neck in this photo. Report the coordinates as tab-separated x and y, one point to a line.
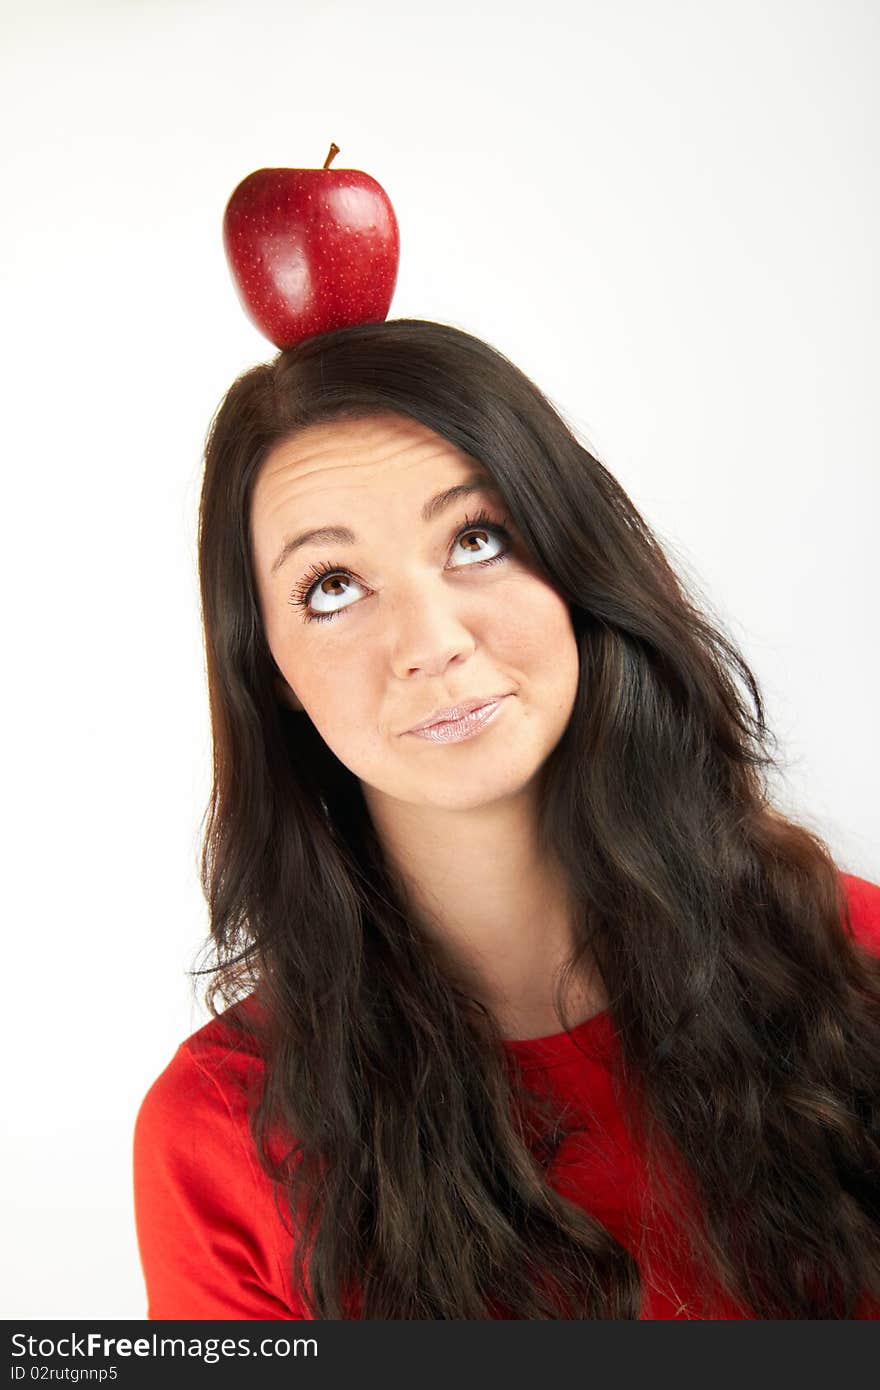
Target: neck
476	881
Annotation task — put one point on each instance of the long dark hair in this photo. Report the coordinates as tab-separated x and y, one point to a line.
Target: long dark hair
412	1157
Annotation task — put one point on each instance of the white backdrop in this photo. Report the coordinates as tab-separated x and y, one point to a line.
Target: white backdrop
667	214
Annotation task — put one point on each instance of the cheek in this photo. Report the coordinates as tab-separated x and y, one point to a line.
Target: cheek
320	673
537	634
331	680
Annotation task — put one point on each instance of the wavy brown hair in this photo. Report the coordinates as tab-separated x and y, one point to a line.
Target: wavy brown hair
413	1161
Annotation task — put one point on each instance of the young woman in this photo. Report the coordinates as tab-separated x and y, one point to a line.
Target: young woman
542	1011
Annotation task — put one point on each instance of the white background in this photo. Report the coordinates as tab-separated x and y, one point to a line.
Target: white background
666	214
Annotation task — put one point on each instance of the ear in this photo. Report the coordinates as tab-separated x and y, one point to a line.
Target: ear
285	693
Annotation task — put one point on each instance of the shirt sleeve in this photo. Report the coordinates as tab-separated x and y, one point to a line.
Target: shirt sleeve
863	900
207	1226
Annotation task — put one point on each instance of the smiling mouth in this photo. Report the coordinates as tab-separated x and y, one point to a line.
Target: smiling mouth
455	712
468	724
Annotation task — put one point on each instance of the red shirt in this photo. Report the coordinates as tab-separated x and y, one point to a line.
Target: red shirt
212	1240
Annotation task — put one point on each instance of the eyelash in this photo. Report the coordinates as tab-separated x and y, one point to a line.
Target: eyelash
302	594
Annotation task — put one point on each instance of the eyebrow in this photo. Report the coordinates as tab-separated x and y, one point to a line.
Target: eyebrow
342	535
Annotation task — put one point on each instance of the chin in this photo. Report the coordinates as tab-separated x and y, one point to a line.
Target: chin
462	792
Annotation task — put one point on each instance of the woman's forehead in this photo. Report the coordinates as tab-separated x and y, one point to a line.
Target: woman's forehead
318	479
351	455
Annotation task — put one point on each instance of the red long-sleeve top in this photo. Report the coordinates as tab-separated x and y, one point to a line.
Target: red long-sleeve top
213	1244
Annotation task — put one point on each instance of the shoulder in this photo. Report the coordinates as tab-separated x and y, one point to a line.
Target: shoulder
210	1233
211	1078
863	902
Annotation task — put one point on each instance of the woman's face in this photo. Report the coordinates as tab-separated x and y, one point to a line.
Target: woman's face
407	619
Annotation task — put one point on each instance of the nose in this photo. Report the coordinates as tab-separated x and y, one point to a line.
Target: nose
428	630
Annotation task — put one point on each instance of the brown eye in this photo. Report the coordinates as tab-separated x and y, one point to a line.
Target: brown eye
332	581
336	579
333	585
474	533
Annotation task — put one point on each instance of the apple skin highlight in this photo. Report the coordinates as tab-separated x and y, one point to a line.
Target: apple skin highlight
310	250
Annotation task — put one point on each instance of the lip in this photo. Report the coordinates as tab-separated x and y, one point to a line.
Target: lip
470	723
453	713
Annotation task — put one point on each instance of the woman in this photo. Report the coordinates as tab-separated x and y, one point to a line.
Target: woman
547	1013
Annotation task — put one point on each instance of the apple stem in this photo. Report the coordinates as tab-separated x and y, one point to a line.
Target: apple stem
334	150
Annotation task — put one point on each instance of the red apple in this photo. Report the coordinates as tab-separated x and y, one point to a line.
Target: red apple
311	250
